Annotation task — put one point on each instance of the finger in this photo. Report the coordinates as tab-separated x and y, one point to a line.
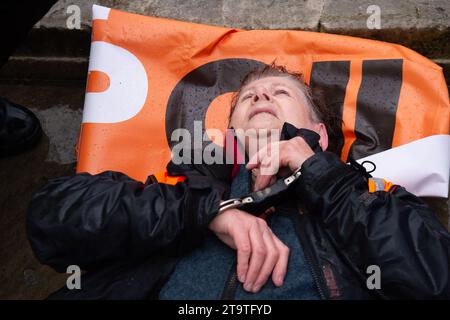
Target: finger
253	162
269	263
280	269
252	165
243	246
270	162
257	257
255	172
266	172
273	180
257	158
262	182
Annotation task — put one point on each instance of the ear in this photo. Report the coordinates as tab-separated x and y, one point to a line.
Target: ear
321	129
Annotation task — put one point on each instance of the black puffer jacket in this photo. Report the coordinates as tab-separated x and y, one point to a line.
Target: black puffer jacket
128	236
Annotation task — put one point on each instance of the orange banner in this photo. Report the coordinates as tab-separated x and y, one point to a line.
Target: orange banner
149	76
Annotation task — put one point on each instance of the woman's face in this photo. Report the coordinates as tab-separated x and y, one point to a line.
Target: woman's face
269	102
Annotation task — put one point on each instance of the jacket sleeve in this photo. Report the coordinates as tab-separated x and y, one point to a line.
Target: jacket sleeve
393	230
88	220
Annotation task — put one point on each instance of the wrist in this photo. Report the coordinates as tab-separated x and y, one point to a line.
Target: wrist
299	163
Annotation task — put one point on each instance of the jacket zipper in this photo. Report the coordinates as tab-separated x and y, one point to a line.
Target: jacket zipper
315	270
232	281
231	285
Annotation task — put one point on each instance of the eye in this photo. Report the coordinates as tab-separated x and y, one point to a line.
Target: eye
247	96
281	92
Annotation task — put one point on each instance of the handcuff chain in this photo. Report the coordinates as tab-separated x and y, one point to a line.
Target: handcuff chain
237	202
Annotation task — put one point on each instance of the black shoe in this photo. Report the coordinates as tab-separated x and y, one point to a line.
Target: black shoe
19	128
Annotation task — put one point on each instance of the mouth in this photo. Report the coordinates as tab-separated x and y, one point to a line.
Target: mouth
259	110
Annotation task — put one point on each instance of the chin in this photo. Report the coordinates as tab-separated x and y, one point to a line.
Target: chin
267	124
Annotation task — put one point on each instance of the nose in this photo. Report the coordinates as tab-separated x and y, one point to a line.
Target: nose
261	95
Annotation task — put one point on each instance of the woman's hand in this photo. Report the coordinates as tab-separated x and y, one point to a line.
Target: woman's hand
281	157
259	252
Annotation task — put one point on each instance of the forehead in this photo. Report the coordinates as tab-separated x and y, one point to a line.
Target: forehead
272	82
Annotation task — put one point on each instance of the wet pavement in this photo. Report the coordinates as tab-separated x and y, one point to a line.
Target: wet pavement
58	106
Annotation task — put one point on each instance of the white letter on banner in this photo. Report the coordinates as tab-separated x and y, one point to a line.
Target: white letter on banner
128	87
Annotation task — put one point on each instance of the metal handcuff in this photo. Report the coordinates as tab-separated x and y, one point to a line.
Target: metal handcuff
258	201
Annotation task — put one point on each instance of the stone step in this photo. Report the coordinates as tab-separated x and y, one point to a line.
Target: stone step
423	26
69	68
